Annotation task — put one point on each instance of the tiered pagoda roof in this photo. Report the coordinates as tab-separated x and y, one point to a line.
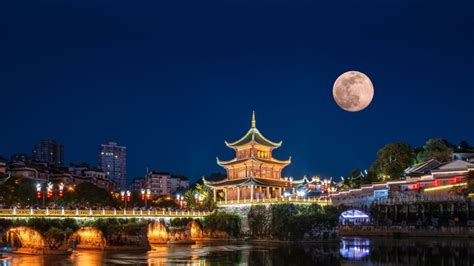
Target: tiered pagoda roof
253	135
248	181
253	159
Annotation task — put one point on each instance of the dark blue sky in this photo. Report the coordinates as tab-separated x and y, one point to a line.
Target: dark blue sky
173	81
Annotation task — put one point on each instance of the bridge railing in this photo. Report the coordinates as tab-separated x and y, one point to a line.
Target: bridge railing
9	213
321	201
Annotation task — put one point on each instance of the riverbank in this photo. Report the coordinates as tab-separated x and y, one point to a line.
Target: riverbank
407	231
33	251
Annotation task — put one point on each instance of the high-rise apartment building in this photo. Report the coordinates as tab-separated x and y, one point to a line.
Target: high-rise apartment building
113	161
49	151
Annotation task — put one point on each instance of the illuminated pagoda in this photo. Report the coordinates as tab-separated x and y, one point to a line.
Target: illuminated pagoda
253	173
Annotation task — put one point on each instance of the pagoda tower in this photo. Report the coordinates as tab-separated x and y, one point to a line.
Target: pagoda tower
253	173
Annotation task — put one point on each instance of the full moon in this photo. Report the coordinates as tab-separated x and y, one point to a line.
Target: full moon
353	91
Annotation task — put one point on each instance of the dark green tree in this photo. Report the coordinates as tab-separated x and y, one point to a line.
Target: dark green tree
16	190
88	194
392	160
464	146
223	221
438	149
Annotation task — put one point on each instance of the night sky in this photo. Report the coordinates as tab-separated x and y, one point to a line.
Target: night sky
173	81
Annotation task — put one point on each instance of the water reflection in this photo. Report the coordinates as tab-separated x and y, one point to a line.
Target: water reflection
350	251
354	248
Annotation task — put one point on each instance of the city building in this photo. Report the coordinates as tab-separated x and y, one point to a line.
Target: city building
99	178
3	165
77	169
465	156
137	184
253	173
113	161
49	151
20	159
39	174
164	183
178	183
91	175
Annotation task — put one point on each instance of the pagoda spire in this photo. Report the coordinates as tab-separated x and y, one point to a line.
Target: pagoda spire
254	122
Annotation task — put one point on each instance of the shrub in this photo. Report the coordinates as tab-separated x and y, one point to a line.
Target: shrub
180	222
289	221
259	219
223	221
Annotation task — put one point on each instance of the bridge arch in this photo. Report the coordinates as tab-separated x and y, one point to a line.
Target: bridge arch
87	238
353	217
195	230
157	233
23	237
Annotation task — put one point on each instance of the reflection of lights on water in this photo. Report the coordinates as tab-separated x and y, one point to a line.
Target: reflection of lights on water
354	248
4	261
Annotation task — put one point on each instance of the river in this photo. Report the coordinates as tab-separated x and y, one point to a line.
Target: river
349	251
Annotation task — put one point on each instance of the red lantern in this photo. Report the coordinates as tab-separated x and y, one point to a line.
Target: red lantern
38	195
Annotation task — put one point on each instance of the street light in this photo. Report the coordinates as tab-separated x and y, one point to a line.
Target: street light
180	199
128	198
38	192
125	196
122	194
49	190
146	193
61	188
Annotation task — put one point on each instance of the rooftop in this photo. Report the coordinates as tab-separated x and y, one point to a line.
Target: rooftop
253	135
248	181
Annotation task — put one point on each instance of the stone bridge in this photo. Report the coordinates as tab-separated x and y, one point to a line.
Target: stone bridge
84	214
24	239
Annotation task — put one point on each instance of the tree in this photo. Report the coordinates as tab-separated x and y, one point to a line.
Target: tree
437	149
357	178
199	198
88	194
191	201
223	221
464	146
16	190
55	237
392	160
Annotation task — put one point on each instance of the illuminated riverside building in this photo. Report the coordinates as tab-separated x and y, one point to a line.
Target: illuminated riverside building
253	173
428	181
